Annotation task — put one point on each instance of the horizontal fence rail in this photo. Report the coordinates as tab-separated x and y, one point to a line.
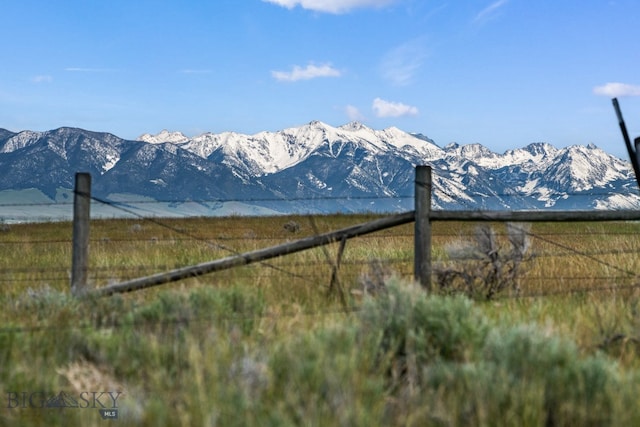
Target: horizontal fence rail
256	256
423	216
414	264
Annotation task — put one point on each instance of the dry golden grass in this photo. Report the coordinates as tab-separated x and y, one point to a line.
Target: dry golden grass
565	257
570	262
179	347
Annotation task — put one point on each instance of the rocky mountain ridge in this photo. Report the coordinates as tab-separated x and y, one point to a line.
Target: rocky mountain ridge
313	168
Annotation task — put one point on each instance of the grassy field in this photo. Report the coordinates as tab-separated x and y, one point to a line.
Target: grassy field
280	343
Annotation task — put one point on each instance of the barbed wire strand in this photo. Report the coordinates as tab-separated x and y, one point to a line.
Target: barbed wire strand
567	248
197	238
591	256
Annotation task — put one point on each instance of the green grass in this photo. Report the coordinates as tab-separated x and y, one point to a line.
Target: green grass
271	345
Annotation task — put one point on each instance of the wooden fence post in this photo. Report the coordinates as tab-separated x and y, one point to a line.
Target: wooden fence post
81	214
422	239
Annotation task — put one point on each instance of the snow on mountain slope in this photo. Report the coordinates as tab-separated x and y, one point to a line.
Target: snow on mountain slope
533	156
581	168
101	150
269	152
536	175
20	140
164	136
317	167
537	153
259	154
404	141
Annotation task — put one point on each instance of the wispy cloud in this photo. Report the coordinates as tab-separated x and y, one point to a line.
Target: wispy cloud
489	11
332	6
42	79
354	113
307	73
615	89
384	108
401	63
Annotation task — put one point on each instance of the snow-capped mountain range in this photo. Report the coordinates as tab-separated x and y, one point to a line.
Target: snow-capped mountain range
312	168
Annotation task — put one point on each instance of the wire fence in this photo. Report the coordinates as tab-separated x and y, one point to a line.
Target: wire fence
564	259
610	249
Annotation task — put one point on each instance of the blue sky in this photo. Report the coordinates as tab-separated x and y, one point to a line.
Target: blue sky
503	73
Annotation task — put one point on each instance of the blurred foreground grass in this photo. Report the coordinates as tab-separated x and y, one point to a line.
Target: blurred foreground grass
272	345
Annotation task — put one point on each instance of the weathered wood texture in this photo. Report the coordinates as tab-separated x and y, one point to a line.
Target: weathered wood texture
422	237
81	215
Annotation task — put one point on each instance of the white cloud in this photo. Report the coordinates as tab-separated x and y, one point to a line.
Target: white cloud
384	108
615	89
354	113
400	64
489	11
331	6
42	79
309	72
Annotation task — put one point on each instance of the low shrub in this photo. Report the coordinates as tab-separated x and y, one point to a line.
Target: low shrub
447	364
414	329
405	358
483	267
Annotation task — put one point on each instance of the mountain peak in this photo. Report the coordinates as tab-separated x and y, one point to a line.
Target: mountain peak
317	124
19	140
164	136
476	150
353	126
540	148
321	166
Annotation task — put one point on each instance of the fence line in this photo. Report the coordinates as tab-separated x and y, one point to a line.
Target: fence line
99	273
422	216
254	256
106	240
